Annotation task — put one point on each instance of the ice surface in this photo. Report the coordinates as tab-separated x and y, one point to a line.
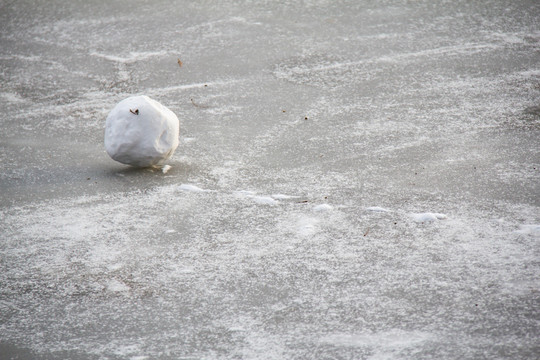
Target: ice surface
299	219
428	216
387	344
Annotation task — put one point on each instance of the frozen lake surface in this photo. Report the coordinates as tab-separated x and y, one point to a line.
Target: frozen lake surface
355	180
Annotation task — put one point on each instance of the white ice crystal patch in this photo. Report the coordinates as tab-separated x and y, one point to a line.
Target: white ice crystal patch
266	200
244	193
377	209
165	168
259	199
133	56
192	188
529	230
323	208
283	196
428	217
117	286
306	226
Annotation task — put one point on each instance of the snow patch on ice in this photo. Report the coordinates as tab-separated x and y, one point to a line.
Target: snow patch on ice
236	328
323	208
283	197
11	97
192	188
244	193
528	73
511	38
185	271
165	168
306	226
242	20
117	286
114	267
132	57
428	217
529	230
259	199
267	200
377	209
217	83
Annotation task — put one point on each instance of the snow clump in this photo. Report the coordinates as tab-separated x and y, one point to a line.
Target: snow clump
141	132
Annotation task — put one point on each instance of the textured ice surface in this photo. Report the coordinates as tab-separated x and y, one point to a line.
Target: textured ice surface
319	141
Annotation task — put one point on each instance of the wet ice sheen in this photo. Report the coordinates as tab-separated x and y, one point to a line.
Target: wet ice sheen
356	180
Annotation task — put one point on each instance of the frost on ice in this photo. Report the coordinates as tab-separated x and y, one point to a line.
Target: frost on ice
193	188
323	208
377	209
529	230
428	217
141	132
